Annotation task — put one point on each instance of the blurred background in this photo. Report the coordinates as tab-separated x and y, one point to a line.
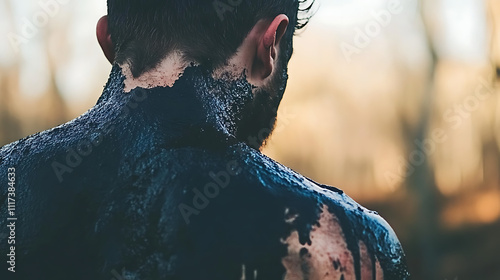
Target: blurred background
393	101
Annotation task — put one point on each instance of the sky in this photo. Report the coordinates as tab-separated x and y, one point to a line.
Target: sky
462	35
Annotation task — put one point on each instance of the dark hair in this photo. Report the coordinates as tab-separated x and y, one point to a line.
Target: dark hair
207	31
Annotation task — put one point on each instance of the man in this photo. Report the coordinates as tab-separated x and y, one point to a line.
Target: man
163	179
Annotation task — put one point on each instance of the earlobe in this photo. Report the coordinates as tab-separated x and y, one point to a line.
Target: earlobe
104	39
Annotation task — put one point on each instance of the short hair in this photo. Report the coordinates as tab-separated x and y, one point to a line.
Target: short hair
206	31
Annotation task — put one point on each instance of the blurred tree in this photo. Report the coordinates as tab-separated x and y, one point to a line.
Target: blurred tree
19	115
9	124
491	155
421	179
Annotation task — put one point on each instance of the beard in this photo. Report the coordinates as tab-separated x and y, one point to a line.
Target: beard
260	115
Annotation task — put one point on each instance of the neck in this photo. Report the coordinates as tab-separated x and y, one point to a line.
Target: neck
165	74
195	105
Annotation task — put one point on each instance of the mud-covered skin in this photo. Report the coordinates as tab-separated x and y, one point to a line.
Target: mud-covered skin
120	209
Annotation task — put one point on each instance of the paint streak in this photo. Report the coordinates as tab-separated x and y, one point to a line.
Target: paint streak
118	208
328	256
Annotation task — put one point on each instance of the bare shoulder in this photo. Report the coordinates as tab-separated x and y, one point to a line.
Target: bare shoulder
348	241
331	236
318	231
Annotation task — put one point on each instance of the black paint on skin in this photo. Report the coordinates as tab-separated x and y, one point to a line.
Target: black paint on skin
118	210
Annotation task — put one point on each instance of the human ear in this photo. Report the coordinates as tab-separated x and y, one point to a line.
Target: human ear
268	47
104	39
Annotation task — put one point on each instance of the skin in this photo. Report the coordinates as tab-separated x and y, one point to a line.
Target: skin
159	180
257	56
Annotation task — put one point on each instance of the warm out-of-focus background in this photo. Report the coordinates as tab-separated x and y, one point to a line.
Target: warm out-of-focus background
394	101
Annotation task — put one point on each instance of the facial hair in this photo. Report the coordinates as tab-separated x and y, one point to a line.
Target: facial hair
259	116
